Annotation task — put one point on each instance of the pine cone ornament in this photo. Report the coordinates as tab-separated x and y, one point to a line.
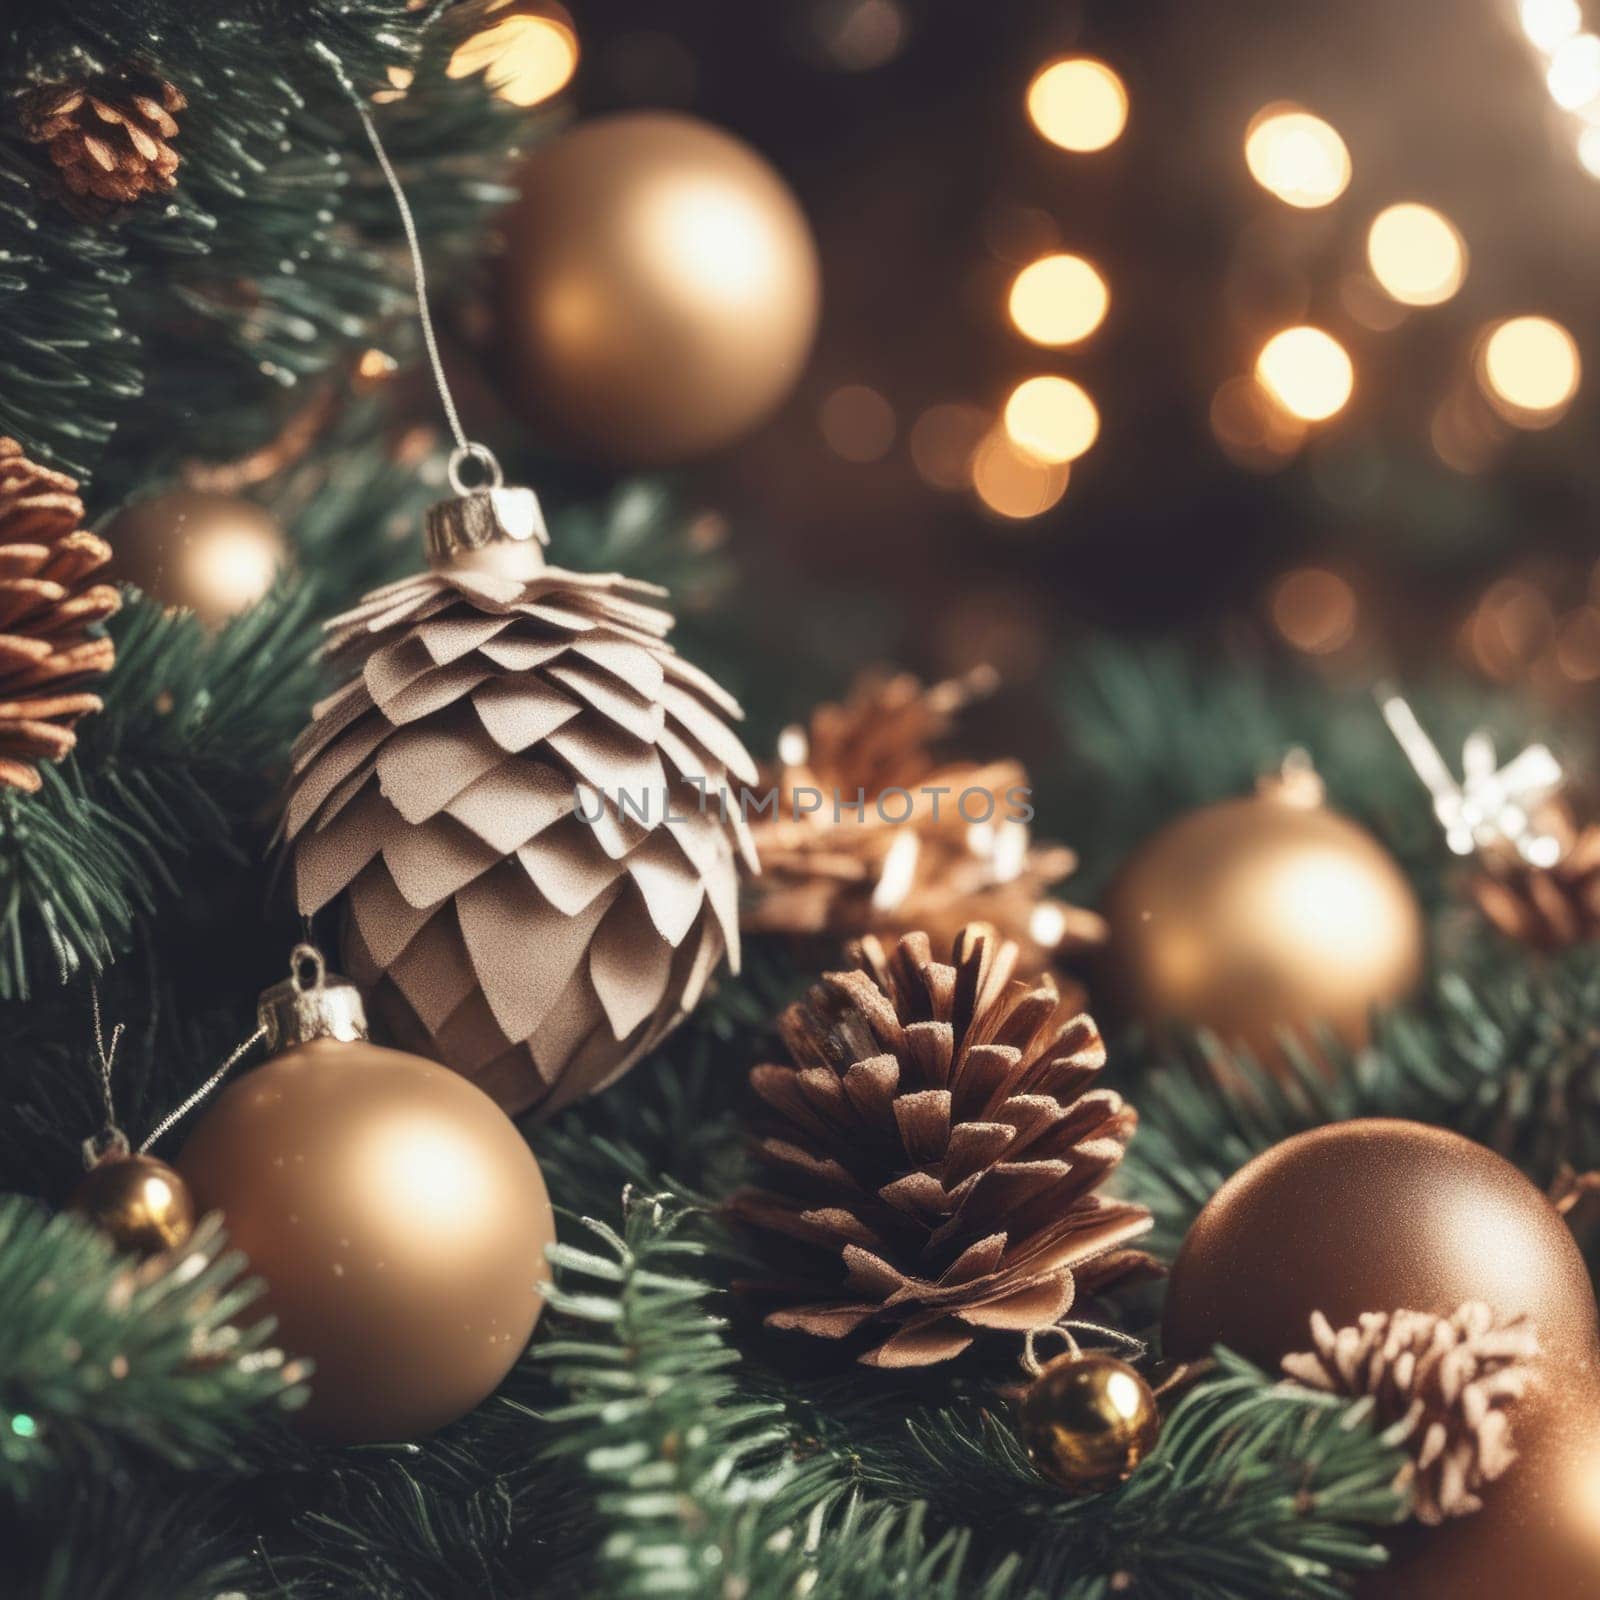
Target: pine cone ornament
933	1155
46	611
1449	1385
520	789
110	139
859	841
1547	908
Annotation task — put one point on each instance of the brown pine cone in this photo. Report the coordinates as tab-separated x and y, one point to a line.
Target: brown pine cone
1450	1383
1548	908
920	863
933	1155
110	139
46	610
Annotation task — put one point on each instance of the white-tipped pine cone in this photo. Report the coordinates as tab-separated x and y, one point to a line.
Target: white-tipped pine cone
490	792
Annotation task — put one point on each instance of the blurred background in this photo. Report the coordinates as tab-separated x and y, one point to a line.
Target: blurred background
1166	317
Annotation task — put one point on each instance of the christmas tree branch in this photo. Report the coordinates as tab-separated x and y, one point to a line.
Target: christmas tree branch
103	1354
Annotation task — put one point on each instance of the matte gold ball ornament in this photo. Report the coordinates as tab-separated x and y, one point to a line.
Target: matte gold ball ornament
658	290
1264	914
1377	1214
398	1218
139	1202
213	554
1088	1420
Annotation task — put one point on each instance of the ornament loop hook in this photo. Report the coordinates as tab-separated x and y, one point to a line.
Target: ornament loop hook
302	957
494	478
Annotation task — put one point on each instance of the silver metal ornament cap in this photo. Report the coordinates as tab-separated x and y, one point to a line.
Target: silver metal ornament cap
311	1003
499	530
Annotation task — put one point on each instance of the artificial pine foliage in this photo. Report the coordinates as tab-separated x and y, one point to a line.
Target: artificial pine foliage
656	1441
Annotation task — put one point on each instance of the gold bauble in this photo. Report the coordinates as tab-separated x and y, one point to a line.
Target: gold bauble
212	554
658	290
1263	914
1088	1421
398	1219
140	1202
1379	1215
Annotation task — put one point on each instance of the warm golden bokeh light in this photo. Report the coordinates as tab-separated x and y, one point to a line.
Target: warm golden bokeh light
1416	254
1058	299
942	442
1574	75
1078	103
526	51
1307	372
1589	151
858	423
1051	419
1296	156
1314	610
1013	484
1529	368
1252	428
1549	23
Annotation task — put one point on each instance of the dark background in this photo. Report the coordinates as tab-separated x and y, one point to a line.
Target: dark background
928	188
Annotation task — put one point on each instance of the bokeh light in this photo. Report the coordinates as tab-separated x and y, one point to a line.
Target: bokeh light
1589	151
1307	372
1416	254
942	442
858	423
1296	156
1314	610
1252	428
1058	300
1012	483
1051	419
858	35
1078	103
1574	75
527	51
1548	23
1529	369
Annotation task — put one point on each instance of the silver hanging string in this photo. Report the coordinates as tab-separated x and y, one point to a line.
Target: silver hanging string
172	1118
110	1140
1066	1331
466	449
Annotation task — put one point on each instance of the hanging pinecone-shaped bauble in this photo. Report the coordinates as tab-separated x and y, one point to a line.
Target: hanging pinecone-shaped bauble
47	611
1448	1385
111	138
933	1154
873	832
1545	907
521	789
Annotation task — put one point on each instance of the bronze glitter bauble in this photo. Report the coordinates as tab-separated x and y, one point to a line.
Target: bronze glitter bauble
1088	1421
1379	1215
140	1202
211	554
398	1219
658	289
1537	1535
1374	1215
1262	914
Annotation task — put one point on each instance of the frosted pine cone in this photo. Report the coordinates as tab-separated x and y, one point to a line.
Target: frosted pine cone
111	140
1548	908
1451	1383
949	860
47	610
933	1153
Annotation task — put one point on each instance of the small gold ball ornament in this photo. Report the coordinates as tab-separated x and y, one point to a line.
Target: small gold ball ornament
398	1218
658	291
213	554
138	1201
1264	914
1088	1420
